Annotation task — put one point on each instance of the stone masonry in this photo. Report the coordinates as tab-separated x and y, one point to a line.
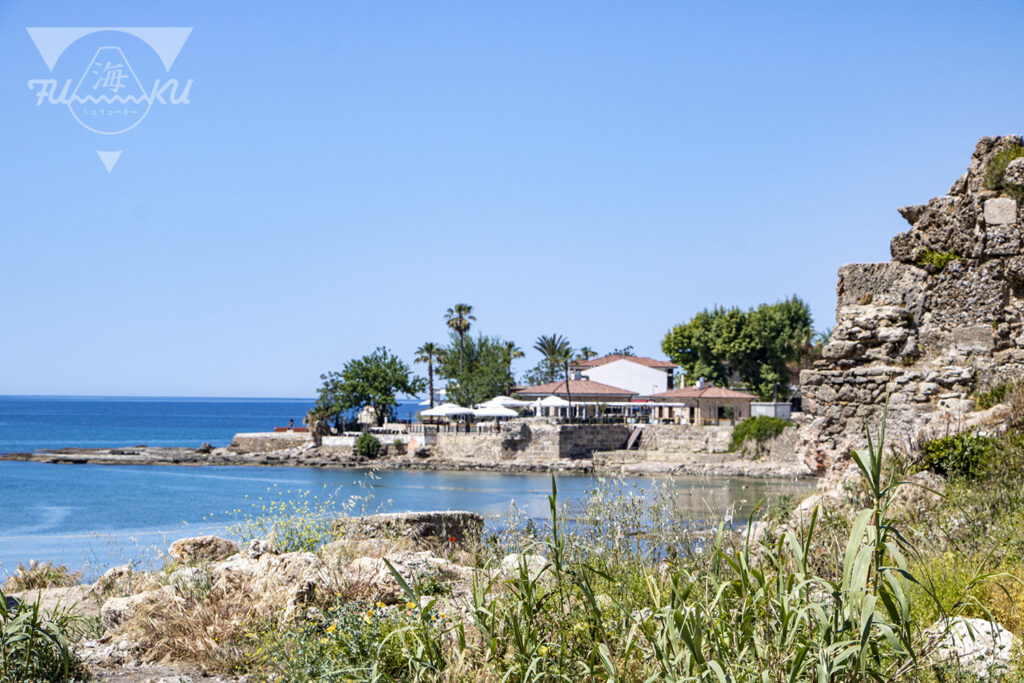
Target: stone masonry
927	335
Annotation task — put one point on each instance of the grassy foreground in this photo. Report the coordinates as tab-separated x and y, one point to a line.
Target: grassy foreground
859	588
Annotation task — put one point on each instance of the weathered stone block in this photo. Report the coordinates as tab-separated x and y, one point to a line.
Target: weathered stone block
882	284
1001	211
967	294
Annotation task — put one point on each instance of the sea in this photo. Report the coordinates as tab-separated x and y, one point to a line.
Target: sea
92	517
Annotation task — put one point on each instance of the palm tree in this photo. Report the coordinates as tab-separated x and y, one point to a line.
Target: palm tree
460	318
556	350
586	353
428	353
511	353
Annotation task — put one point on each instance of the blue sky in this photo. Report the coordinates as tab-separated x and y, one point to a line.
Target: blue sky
345	171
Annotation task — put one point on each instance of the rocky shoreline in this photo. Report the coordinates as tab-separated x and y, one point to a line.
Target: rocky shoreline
610	462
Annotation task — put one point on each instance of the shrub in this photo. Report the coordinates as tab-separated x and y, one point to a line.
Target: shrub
36	647
987	399
354	640
957	455
367	445
399	446
760	429
41	575
993	179
938	259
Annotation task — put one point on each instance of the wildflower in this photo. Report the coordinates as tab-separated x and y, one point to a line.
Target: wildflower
332	628
543	650
410	605
451	539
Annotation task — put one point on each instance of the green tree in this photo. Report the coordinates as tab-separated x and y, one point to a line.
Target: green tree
512	352
547	370
429	353
758	345
586	353
557	352
482	372
373	380
460	318
624	351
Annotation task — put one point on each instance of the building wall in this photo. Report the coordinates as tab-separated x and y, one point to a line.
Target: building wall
629	375
781	410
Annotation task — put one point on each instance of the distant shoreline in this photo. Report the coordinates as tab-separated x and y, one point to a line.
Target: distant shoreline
718	465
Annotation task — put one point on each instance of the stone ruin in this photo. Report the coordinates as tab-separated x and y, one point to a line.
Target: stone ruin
941	321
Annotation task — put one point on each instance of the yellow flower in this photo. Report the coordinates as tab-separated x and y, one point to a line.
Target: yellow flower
332	628
410	605
380	604
543	650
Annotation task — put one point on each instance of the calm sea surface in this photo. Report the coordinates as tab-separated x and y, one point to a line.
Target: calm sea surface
91	517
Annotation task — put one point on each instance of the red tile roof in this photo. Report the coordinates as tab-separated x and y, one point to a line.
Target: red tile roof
580	387
612	357
709	391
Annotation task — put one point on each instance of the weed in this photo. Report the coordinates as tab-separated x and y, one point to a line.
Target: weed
937	259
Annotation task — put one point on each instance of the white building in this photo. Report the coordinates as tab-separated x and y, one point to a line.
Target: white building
639	374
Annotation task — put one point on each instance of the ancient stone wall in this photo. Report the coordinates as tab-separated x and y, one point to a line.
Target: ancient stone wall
686	438
940	321
264	442
532	440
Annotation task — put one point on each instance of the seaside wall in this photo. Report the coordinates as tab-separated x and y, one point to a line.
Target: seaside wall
686	438
942	320
532	440
263	442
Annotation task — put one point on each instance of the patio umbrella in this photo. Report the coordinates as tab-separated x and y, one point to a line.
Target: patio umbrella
447	410
554	402
495	411
505	402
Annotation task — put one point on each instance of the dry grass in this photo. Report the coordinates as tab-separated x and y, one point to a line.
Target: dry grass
41	575
215	629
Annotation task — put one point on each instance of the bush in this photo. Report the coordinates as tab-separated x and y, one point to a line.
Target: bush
367	445
354	640
36	647
939	259
760	429
399	446
958	455
987	399
997	167
41	575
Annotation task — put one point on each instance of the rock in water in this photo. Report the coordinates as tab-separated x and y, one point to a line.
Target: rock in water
452	528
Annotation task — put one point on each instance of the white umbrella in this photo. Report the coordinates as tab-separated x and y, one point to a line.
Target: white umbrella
553	402
446	410
505	402
495	411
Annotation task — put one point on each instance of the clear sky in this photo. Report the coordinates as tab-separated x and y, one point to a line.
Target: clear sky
345	171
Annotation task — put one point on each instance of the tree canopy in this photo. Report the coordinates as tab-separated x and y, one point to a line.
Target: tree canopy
373	380
755	345
477	369
555	351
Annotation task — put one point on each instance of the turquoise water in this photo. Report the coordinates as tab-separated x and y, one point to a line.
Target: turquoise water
29	423
92	517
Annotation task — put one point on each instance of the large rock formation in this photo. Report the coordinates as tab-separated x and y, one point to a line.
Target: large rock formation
943	319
